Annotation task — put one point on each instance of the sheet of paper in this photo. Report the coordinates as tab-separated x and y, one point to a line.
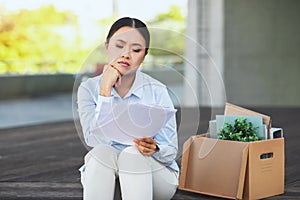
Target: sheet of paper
213	129
134	120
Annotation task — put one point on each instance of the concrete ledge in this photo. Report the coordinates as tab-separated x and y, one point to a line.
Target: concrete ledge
35	85
12	86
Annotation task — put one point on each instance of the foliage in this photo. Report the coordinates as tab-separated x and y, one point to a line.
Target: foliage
168	38
36	41
174	14
30	42
240	131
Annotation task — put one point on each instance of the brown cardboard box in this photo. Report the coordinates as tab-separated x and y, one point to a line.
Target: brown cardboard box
231	169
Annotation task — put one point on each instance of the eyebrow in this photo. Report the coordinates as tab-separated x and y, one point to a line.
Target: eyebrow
133	44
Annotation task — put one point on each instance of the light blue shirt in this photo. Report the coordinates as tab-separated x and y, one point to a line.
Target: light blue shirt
93	108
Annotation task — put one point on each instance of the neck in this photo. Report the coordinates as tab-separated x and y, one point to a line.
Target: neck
126	83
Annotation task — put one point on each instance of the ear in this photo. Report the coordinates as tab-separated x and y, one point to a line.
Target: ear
106	46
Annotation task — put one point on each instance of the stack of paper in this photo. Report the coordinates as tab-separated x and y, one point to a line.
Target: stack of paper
134	120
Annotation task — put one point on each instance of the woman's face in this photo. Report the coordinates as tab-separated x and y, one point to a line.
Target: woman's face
126	50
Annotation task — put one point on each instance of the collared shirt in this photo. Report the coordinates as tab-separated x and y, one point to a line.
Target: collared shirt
94	108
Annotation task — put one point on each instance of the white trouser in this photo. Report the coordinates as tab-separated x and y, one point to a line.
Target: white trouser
141	177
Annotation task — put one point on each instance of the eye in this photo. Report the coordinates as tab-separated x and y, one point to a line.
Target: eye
136	50
119	46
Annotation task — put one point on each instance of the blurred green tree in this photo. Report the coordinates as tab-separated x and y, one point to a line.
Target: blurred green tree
30	42
168	37
35	41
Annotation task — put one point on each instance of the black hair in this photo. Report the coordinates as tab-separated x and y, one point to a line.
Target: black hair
131	22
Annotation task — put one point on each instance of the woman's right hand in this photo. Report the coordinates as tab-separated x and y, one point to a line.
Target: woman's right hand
110	77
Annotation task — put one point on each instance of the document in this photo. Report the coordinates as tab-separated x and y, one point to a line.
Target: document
134	120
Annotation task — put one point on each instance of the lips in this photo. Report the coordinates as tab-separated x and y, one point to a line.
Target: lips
124	63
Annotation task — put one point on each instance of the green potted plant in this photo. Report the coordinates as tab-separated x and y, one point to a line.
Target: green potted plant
241	131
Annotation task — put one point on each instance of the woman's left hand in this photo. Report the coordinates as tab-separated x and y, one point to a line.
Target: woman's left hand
146	145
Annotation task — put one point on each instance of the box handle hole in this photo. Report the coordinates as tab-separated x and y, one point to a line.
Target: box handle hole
266	155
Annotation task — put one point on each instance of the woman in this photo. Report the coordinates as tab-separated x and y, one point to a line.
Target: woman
146	170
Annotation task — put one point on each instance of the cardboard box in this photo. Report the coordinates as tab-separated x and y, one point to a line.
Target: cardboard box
232	169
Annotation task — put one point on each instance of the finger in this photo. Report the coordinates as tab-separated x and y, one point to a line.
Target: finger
105	68
109	70
118	74
116	70
144	147
119	81
146	144
136	141
148	140
149	146
140	148
145	150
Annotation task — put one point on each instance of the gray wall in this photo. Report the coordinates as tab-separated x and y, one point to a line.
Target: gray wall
35	85
262	52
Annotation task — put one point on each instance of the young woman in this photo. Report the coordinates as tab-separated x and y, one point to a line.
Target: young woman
146	170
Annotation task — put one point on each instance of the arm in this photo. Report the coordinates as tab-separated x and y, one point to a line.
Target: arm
111	77
91	109
166	139
95	108
167	143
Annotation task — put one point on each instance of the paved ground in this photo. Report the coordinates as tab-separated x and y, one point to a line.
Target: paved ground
39	159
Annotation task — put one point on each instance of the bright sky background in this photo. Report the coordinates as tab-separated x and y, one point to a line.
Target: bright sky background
97	9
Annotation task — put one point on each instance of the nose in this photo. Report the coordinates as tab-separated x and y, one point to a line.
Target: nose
126	53
125	56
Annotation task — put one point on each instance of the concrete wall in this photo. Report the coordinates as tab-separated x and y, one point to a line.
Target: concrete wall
35	85
262	52
204	54
12	87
